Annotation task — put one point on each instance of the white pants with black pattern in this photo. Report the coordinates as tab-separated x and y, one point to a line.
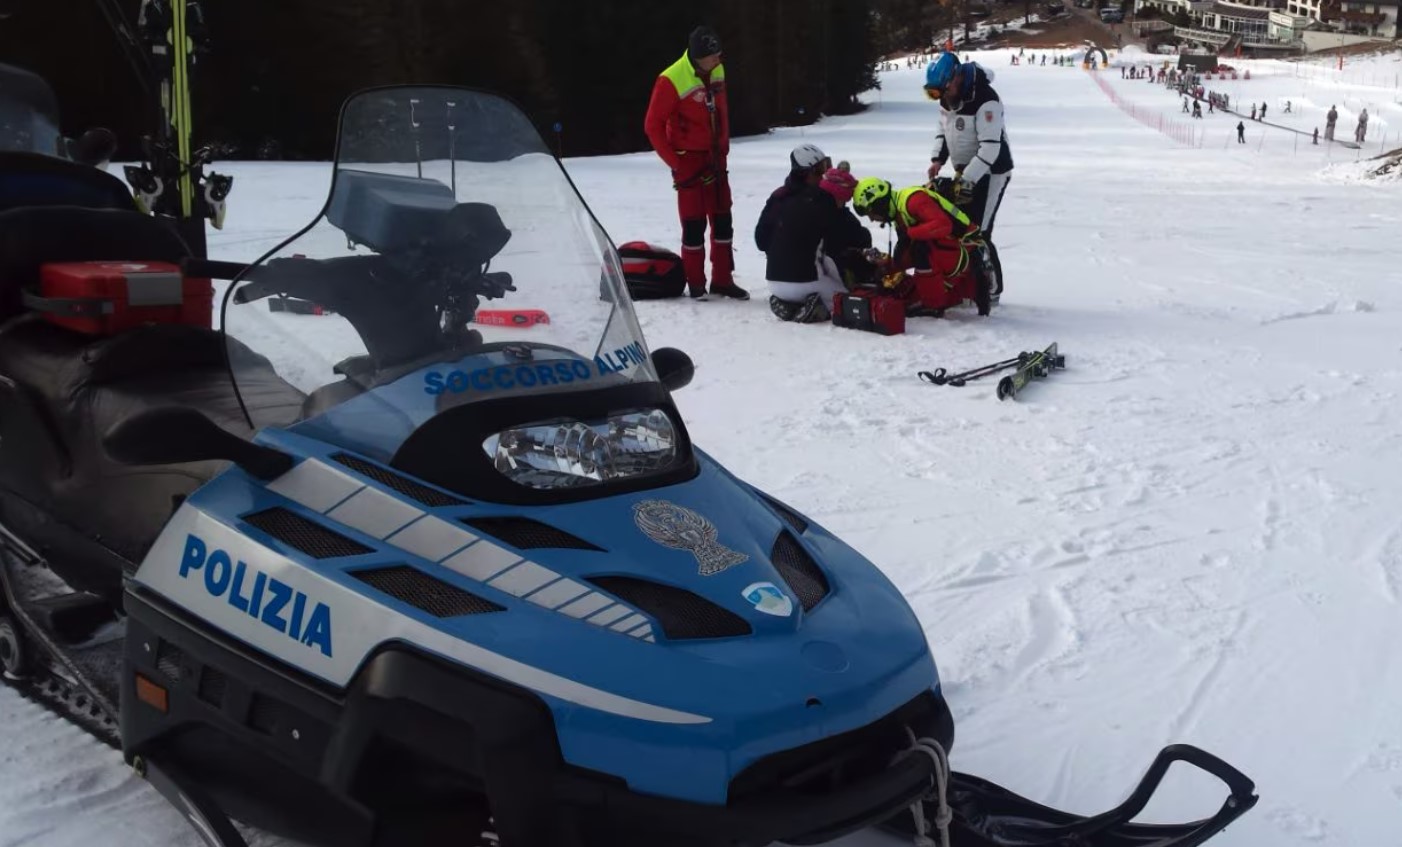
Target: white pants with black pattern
828	283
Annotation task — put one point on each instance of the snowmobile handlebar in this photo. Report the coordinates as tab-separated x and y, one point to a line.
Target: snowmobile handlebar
212	269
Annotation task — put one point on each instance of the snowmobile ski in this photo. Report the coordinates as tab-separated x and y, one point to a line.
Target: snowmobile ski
941	376
1037	366
186	795
986	815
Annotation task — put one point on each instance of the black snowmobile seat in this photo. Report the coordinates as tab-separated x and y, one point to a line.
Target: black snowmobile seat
30	180
78	388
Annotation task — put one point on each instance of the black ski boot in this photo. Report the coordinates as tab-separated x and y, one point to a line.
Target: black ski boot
987	284
811	311
732	291
783	309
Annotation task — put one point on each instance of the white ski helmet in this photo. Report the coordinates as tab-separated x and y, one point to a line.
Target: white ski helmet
806	157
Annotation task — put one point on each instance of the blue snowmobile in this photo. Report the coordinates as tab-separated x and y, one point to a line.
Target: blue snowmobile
375	572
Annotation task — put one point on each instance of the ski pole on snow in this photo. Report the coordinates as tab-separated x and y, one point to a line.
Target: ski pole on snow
941	376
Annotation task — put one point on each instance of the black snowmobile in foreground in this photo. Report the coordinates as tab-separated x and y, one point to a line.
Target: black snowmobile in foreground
388	576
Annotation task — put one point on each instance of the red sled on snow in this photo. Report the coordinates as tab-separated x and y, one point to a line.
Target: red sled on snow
511	317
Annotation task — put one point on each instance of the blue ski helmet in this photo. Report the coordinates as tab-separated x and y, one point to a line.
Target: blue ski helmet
939	72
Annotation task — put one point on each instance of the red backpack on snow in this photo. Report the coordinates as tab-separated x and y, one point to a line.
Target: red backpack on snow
652	273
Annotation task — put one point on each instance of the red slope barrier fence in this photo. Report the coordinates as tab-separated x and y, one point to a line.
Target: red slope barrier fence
1180	131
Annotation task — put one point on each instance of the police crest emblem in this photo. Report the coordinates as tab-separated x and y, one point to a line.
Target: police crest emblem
682	529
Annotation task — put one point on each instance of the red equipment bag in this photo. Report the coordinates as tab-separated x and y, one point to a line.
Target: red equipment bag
106	298
870	310
652	273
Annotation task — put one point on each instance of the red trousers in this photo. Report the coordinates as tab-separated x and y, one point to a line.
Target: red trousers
942	276
703	196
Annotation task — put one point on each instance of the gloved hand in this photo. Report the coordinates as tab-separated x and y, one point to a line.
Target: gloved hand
934	170
893	281
963	191
972	238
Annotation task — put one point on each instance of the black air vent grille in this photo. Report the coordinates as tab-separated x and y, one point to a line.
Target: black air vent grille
168	660
264	714
680	613
213	683
424	592
427	495
527	534
305	535
790	517
799	570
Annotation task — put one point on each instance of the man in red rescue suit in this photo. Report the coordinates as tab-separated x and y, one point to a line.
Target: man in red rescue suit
688	124
935	237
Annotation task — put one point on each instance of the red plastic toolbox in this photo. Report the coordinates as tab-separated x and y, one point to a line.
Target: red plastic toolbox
105	298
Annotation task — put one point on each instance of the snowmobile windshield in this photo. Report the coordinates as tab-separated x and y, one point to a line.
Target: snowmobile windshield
455	273
28	114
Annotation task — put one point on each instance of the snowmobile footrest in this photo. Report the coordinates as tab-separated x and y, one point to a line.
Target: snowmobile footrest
987	815
214	827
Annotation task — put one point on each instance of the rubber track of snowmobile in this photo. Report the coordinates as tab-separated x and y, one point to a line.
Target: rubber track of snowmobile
69	702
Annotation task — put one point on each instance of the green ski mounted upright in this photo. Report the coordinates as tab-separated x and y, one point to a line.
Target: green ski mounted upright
162	47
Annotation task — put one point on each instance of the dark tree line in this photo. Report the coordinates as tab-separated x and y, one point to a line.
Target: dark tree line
277	70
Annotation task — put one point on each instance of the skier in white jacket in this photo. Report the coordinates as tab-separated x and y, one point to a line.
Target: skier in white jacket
971	137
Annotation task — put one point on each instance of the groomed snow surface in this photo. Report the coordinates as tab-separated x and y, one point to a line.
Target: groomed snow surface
1193	534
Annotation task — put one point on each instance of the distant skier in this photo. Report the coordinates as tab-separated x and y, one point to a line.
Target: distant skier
1330	120
1240	132
972	137
1263	111
1253	111
1362	131
1197	109
1316	136
688	124
1185	104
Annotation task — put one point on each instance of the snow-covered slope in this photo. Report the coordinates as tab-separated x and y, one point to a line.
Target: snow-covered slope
1192	534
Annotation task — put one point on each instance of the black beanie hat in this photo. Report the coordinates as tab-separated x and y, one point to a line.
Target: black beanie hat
702	43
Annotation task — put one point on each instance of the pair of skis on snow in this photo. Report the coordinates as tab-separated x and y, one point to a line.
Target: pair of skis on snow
1030	366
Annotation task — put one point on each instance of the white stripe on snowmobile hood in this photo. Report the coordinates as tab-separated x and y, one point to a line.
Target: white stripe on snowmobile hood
363	506
300	616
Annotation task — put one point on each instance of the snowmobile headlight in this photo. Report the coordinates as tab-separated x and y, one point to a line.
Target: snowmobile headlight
571	453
